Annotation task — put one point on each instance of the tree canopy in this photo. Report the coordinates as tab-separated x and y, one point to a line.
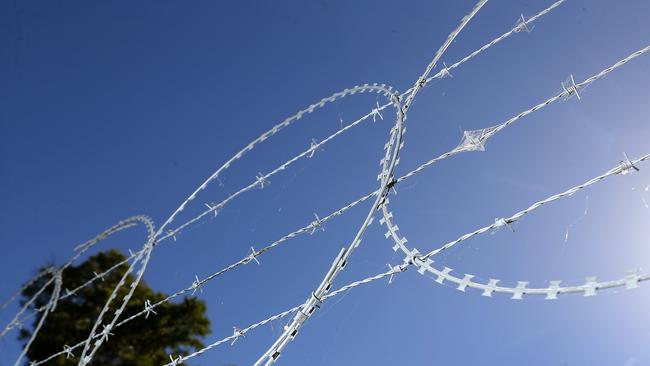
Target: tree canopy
177	327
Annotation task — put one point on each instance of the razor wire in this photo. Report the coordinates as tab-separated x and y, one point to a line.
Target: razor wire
80	250
57	278
630	281
308	228
51	306
389	162
424	263
471	141
314	147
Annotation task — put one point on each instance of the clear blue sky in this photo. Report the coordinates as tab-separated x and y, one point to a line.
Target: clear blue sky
111	109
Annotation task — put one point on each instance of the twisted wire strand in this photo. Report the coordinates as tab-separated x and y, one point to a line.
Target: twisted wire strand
492	131
517	216
439	75
568	92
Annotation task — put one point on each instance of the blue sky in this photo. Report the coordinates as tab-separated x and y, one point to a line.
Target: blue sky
117	109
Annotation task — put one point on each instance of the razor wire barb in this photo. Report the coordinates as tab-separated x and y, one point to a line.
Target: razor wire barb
471	141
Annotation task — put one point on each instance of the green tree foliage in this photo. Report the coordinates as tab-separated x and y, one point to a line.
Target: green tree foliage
176	329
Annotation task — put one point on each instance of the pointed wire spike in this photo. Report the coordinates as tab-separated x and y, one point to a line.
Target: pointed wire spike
316	224
570	88
68	351
253	256
313	147
520	290
237	333
169	233
553	290
101	277
444	72
522	24
467	279
491	287
392	269
262	180
211	208
148	308
444	273
626	165
376	112
196	285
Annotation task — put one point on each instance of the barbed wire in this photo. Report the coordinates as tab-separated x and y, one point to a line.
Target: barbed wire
472	141
389	162
302	230
215	208
425	264
51	306
80	250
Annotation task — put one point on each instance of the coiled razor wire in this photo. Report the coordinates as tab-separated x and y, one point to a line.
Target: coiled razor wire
314	147
57	277
215	208
472	141
389	162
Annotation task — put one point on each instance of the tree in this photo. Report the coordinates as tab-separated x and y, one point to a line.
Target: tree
177	328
